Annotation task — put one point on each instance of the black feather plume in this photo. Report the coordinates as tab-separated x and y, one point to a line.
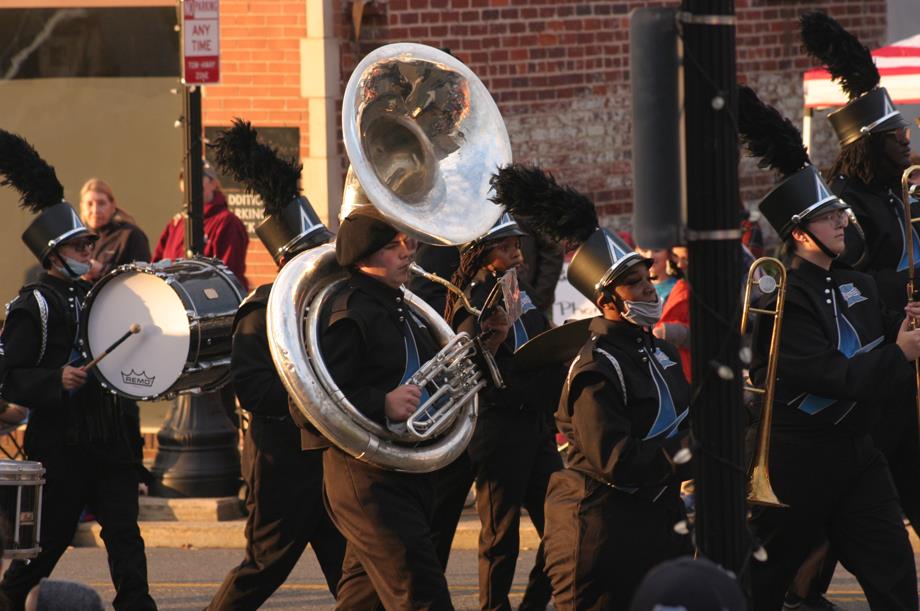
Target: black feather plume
23	169
256	166
848	60
769	135
558	212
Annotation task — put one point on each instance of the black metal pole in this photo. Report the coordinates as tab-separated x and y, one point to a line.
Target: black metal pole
198	446
713	237
194	197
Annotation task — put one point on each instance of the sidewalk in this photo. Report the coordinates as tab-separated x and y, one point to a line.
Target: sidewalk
217	523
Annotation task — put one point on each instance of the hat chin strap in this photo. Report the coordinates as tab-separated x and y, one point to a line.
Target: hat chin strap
820	244
619	304
73	275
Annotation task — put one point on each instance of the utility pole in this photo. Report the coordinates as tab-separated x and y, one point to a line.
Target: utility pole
714	245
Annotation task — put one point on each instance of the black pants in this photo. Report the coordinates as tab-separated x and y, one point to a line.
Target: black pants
838	488
601	542
286	512
452	486
386	518
895	434
75	478
513	454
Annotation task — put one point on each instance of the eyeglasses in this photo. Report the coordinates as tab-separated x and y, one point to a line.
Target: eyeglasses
834	217
85	244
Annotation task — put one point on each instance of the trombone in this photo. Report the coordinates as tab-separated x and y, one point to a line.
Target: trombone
761	492
912	292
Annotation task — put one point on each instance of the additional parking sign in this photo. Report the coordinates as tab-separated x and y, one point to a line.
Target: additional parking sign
201	42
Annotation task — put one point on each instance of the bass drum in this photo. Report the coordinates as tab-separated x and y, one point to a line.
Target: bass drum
185	310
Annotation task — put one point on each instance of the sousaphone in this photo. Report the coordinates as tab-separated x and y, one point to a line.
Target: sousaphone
423	136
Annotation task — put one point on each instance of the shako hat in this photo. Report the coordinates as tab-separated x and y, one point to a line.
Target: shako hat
600	261
293	228
561	213
870	109
504	227
802	194
41	193
799	198
290	225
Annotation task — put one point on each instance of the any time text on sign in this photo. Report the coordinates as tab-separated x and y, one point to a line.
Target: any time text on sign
201	42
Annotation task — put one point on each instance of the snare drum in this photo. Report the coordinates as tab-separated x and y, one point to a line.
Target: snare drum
21	505
185	309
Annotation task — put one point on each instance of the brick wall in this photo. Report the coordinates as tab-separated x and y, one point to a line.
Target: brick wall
260	82
559	70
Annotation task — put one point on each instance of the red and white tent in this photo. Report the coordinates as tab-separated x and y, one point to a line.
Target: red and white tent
898	64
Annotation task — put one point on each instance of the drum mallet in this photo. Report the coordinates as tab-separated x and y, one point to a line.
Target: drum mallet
134	328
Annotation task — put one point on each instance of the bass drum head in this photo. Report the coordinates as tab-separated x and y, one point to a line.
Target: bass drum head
148	363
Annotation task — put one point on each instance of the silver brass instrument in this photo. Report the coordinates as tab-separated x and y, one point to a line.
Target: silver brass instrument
423	136
487	357
417	269
761	491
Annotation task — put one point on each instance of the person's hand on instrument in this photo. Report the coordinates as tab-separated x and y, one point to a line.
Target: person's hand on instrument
72	378
495	329
912	309
908	340
401	402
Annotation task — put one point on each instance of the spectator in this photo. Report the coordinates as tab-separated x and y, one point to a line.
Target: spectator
674	325
54	595
120	241
225	236
659	272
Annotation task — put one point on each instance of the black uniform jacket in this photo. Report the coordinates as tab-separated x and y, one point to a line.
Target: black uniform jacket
534	389
837	358
252	371
881	215
624	408
372	342
40	336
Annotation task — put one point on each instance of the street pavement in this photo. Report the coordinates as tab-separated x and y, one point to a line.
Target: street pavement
187	578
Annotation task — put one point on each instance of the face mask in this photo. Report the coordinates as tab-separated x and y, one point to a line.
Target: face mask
642	313
76	268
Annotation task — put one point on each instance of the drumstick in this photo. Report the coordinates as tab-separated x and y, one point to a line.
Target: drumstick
134	328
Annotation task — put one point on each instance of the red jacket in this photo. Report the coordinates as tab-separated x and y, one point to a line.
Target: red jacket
677	310
225	238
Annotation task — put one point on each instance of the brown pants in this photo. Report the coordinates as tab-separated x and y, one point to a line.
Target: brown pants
386	519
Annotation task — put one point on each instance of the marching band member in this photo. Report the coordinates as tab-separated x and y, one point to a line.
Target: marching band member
874	151
513	450
284	483
371	344
837	344
80	433
610	514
